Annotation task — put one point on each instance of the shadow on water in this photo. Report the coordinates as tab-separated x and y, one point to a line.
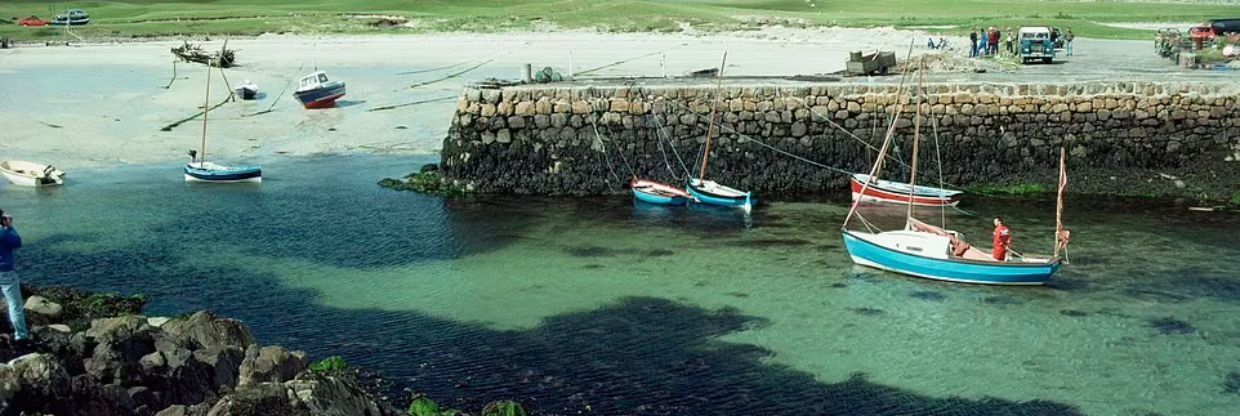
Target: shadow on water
638	356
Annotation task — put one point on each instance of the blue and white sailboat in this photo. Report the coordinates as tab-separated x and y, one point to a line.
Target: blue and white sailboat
931	252
707	191
200	170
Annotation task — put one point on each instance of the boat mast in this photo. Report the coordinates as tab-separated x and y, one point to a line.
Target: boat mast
1063	184
912	177
206	108
882	151
715	106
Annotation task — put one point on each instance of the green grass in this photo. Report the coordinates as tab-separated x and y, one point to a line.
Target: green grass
1235	199
146	18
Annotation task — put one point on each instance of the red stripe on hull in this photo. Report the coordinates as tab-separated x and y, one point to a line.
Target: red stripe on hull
328	102
875	194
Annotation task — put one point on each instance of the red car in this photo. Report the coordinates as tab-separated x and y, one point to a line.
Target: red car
32	21
1204	32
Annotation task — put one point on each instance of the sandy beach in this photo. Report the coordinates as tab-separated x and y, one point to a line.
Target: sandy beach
100	105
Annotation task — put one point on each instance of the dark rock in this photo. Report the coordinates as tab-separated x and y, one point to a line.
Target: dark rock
146	398
225	363
329	395
175	410
262	399
205	330
42	382
89	398
270	364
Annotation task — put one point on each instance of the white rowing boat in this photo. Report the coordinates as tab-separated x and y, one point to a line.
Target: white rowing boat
31	174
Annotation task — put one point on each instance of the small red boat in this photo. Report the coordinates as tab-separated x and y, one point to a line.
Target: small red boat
885	191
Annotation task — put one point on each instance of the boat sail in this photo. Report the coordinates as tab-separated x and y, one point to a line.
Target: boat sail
708	191
200	170
927	251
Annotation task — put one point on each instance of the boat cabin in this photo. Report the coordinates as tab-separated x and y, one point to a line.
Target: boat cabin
313	80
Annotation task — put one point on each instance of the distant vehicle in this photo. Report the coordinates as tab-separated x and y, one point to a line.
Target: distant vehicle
1203	32
32	21
1057	38
75	17
1035	43
1224	27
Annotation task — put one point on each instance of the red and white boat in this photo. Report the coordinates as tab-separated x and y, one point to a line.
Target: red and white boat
885	191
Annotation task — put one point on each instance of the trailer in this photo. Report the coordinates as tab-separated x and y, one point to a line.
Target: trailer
870	64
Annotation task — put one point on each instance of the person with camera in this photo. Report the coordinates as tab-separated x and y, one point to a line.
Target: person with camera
9	283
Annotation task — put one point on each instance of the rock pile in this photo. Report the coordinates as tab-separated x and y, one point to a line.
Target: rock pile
199	364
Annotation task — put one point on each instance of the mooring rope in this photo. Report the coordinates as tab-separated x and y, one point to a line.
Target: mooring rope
606	157
781	151
662	137
619	151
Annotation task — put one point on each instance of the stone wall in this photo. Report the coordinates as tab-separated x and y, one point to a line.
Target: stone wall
573	138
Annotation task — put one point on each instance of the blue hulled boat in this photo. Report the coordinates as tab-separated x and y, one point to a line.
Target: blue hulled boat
931	252
710	192
930	256
316	91
214	173
652	192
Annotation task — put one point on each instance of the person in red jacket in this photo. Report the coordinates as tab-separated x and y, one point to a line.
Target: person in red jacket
1003	240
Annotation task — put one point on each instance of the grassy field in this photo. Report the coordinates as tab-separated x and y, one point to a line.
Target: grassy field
148	18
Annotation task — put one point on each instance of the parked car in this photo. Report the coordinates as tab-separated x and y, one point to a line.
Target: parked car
32	21
74	17
1035	43
1203	32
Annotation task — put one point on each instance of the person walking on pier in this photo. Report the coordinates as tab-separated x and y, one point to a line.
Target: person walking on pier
9	283
1002	240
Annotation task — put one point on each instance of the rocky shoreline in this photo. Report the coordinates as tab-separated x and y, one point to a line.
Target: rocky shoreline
96	354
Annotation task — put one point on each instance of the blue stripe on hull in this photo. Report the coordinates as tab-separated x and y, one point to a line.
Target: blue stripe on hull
235	175
723	202
659	199
311	96
869	254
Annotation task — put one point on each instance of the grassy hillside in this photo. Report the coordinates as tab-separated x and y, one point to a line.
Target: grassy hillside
142	18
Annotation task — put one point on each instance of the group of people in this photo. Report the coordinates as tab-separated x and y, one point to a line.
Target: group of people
986	42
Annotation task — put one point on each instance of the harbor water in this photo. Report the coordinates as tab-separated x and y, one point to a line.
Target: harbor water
604	306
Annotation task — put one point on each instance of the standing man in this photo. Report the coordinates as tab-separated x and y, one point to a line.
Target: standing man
994	41
1002	240
9	283
983	49
1068	41
973	43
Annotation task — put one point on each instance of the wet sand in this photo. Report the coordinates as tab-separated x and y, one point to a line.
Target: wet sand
99	105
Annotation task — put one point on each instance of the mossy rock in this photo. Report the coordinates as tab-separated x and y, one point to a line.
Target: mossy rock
427	181
79	307
422	406
330	365
504	408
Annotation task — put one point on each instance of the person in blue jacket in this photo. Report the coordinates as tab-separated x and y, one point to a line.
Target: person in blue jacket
9	283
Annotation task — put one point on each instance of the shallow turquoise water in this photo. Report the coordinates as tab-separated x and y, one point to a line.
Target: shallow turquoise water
632	309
